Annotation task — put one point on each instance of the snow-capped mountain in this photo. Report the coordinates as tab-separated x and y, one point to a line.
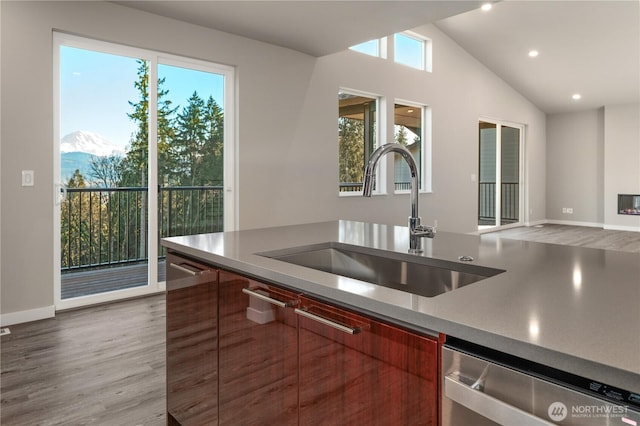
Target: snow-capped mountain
90	143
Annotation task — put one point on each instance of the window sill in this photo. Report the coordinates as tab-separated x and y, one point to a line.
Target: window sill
407	191
357	194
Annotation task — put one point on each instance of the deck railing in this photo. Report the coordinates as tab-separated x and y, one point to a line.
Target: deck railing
108	226
357	186
510	202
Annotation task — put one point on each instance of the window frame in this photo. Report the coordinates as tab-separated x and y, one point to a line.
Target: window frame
426	60
381	48
154	58
424	162
380	111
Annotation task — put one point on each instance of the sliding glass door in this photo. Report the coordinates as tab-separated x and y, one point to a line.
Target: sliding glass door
500	183
141	156
190	151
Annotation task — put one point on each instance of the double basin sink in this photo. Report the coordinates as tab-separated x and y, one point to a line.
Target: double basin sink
419	275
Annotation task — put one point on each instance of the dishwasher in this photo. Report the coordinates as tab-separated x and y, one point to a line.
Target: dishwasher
483	387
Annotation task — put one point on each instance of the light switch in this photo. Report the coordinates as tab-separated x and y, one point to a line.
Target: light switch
27	178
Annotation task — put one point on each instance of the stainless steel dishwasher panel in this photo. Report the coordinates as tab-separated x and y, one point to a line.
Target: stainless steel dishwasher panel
479	392
461	372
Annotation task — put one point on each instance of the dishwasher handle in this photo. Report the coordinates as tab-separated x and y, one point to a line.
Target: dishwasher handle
488	406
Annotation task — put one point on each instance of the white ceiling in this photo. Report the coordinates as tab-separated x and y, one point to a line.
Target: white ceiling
317	28
587	47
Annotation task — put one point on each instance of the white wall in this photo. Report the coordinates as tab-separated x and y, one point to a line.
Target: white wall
621	162
287	129
459	91
575	167
272	84
592	156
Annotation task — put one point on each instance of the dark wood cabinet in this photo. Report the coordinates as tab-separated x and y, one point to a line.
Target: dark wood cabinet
192	342
356	370
258	353
240	351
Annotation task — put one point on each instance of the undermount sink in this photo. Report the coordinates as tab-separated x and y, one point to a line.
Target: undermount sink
413	274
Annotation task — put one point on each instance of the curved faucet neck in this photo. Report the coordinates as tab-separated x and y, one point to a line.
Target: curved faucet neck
372	165
415	231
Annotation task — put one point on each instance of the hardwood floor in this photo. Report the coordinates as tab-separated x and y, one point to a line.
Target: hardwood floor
574	236
103	365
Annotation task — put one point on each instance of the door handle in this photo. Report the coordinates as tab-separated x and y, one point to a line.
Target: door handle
187	270
60	190
325	321
488	406
254	293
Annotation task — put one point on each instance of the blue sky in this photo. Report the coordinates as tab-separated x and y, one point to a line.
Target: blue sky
408	51
95	90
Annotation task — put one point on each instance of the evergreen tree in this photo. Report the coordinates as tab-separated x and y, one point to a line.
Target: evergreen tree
135	164
197	147
76	180
212	159
401	135
188	144
351	147
79	213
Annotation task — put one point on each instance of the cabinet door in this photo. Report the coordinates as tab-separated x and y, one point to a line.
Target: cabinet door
258	353
192	342
355	370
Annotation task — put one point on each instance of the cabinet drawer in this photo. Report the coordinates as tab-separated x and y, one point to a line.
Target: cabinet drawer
376	375
258	353
192	342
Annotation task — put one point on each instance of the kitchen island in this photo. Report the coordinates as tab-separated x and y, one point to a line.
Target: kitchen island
571	308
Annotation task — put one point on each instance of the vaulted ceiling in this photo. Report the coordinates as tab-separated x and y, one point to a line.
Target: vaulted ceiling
591	48
315	27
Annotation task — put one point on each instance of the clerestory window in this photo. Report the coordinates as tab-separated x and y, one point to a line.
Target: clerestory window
412	50
371	47
376	47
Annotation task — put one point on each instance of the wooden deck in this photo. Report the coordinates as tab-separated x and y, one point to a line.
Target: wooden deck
87	282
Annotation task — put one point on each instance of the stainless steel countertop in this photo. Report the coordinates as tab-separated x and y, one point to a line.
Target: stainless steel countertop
572	308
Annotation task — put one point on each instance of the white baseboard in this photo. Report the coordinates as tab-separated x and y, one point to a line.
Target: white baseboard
536	222
622	228
589	224
574	223
27	316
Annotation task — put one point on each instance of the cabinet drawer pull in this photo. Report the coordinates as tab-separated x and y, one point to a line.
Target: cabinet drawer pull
187	270
260	296
343	328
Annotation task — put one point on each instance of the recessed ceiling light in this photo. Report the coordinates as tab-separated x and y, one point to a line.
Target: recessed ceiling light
409	111
533	53
486	7
576	96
